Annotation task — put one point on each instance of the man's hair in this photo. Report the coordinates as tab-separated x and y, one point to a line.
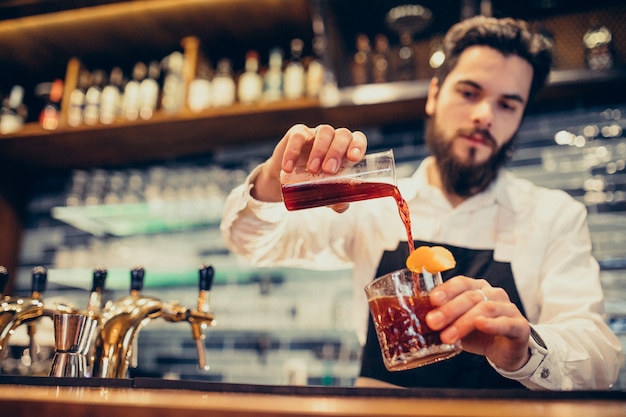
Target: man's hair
506	35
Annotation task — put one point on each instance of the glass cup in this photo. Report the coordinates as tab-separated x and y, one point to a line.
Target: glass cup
399	303
372	177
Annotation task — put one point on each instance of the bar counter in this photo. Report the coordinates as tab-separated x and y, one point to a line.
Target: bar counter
139	397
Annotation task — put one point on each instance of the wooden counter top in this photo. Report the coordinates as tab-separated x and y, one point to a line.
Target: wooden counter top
22	399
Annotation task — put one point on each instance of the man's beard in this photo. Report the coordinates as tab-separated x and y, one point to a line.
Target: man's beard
465	179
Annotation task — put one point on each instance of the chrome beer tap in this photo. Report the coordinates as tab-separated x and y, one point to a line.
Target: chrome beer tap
15	311
123	319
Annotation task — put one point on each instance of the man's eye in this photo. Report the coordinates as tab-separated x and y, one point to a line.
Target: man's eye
508	106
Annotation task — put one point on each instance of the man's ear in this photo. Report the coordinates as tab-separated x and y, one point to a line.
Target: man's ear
431	99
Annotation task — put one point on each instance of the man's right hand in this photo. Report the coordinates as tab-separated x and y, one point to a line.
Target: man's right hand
323	148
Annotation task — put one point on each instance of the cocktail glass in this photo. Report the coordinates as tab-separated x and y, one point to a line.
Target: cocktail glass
399	302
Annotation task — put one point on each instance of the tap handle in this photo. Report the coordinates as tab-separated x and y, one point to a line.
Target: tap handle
99	278
4	278
136	278
39	279
207	274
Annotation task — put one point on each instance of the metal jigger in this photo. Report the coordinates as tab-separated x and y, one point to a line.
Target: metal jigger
72	335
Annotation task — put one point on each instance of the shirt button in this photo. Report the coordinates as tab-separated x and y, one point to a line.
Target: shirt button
545	372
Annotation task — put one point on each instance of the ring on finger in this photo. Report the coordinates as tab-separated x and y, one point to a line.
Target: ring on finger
482	293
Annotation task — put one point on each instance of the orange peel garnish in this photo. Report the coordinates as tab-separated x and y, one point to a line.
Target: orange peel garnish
431	258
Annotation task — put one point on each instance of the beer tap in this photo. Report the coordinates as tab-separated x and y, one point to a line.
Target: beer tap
201	318
121	322
15	311
123	319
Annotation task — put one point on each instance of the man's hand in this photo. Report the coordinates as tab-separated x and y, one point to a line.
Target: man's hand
483	318
322	149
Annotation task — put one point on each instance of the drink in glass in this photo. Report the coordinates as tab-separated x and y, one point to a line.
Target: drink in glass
398	304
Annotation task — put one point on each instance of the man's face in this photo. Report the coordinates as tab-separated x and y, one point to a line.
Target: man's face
475	114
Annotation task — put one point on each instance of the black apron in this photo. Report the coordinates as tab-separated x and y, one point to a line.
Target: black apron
466	370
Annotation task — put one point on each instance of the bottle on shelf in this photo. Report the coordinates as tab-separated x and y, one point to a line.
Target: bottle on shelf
250	83
149	91
315	69
598	42
273	79
406	66
110	100
380	59
224	88
173	83
77	99
294	76
93	96
130	99
13	112
361	61
199	96
51	93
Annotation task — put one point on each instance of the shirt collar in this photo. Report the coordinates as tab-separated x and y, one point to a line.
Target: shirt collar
497	192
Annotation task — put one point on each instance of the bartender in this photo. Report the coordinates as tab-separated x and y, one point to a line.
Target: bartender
525	297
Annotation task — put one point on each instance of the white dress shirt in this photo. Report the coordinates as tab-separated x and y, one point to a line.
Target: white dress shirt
542	233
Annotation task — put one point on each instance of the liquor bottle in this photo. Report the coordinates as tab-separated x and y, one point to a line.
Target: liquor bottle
199	96
598	42
149	91
224	88
250	83
51	93
110	100
315	69
77	100
380	59
130	100
294	80
173	83
273	79
406	67
13	112
91	116
361	62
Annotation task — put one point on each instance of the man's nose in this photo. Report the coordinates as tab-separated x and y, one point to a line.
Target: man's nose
482	114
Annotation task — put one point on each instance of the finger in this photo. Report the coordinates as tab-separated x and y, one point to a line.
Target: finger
323	139
456	286
482	313
294	145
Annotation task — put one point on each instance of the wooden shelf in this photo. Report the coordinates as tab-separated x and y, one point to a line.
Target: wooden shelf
39	46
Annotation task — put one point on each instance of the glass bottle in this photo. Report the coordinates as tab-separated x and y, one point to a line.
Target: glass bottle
199	96
130	100
173	83
224	88
361	62
149	90
77	100
315	69
598	42
52	94
250	83
380	59
91	115
273	80
13	111
294	80
110	100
